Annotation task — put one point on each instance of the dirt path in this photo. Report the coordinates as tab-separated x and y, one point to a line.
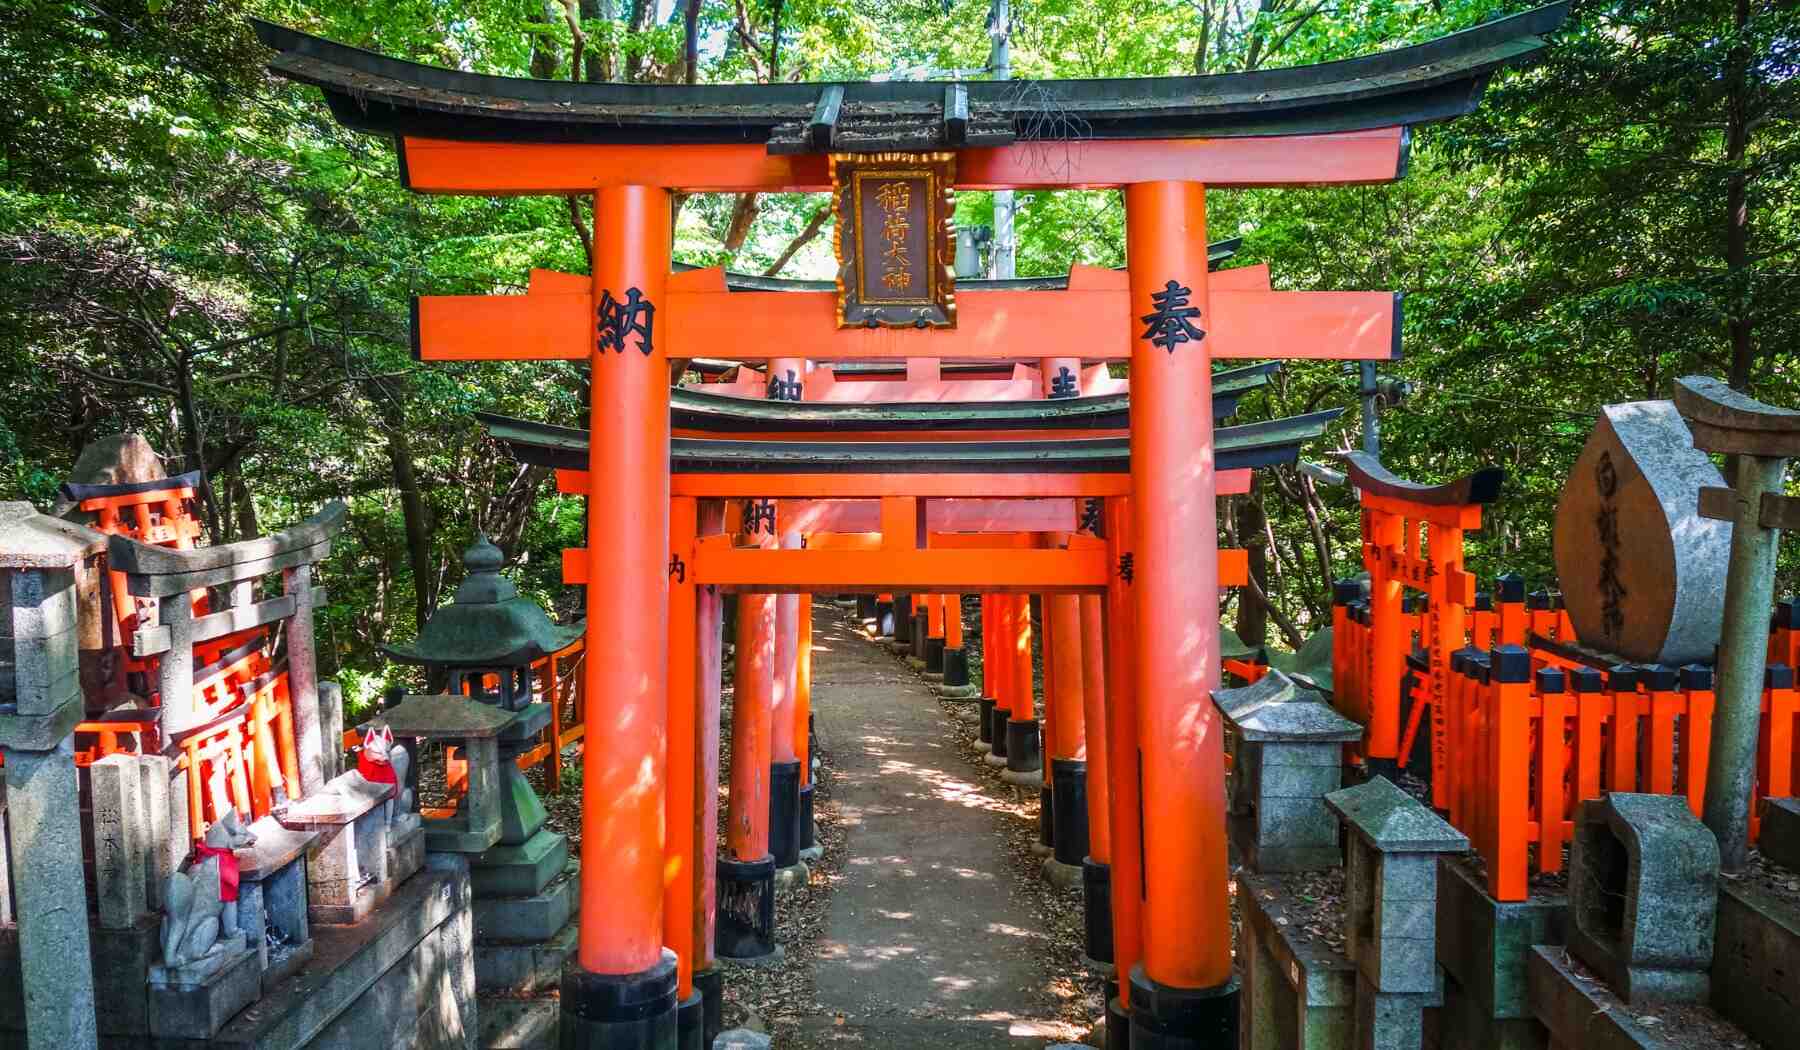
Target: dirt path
927	941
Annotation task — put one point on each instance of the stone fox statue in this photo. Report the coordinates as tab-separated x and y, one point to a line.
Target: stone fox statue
201	901
381	761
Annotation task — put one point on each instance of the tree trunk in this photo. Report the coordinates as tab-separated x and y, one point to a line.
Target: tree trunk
544	62
1737	209
1253	614
690	62
412	509
599	59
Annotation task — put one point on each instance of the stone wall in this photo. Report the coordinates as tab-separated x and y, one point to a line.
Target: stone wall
403	979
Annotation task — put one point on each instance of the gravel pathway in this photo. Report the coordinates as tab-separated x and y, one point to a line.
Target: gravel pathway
926	941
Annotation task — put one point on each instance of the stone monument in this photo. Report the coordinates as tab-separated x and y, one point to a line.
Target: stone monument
1640	567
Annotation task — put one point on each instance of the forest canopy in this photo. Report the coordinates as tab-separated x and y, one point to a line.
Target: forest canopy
194	250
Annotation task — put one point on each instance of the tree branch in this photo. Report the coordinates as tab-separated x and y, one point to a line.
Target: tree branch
813	226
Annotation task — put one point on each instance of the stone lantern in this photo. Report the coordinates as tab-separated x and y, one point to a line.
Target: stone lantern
483	645
487	631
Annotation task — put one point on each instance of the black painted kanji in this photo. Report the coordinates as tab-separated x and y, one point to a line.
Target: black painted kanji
761	517
620	320
784	390
677	568
1064	384
1090	516
1171	323
1125	567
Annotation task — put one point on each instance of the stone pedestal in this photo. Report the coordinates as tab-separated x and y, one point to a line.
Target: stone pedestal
347	860
1485	944
1298	994
1644	890
1287	756
272	899
184	1006
40	702
1390	889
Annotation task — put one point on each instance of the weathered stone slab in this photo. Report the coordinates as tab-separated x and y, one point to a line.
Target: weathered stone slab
1780	839
1298	994
1755	979
420	933
1463	1024
522	870
115	785
1644	885
43	824
1577	1014
515	970
534	918
1393	821
1484	944
519	1024
1640	568
183	1010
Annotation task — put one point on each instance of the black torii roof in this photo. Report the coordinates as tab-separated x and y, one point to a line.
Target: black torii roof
1250	445
1427	82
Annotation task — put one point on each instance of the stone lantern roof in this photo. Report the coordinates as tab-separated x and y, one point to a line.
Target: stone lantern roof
487	624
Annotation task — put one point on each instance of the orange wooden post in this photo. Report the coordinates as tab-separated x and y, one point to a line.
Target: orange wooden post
746	918
553	693
1126	879
1591	712
1185	987
1387	652
1665	704
1509	730
1696	733
1024	746
621	954
1622	744
803	719
681	800
990	680
1775	758
709	612
1066	725
784	768
1553	761
1095	867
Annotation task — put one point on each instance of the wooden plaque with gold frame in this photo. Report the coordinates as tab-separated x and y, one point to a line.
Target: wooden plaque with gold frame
896	245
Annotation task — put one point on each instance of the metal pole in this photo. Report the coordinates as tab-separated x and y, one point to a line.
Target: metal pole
1000	29
1370	427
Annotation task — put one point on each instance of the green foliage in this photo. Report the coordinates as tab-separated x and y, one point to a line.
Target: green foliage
195	250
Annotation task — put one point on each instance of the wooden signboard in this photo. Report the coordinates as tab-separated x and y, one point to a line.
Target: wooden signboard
896	250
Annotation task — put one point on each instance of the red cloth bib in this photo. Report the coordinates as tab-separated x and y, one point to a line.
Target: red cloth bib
375	770
228	869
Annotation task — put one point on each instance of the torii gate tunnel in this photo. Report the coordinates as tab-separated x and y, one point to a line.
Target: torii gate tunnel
655	533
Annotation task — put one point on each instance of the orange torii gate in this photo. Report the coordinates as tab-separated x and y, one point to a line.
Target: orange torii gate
1163	142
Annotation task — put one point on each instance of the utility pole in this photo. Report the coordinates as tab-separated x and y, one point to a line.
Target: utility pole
1371	430
1000	62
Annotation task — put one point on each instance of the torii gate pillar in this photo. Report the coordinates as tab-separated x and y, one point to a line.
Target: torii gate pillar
622	991
1182	992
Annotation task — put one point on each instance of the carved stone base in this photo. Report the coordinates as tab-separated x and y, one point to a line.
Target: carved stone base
185	1005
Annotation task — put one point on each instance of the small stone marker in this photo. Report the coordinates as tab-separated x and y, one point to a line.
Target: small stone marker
1287	756
1640	568
1644	892
1391	909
